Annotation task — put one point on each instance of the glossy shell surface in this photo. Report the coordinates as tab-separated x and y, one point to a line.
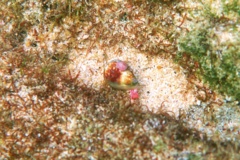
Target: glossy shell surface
119	76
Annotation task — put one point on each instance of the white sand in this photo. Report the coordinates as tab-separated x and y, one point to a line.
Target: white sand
164	85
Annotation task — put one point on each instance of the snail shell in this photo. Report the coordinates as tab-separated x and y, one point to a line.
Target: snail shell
119	76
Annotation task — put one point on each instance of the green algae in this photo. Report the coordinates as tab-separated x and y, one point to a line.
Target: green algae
214	52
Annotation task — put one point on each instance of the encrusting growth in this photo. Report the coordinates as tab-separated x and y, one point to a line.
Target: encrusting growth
119	76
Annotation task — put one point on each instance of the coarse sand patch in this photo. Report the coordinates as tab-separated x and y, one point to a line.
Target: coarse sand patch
164	86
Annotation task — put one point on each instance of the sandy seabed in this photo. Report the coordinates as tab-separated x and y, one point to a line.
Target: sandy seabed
163	84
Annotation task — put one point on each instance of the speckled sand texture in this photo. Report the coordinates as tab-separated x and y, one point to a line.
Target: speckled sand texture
164	85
